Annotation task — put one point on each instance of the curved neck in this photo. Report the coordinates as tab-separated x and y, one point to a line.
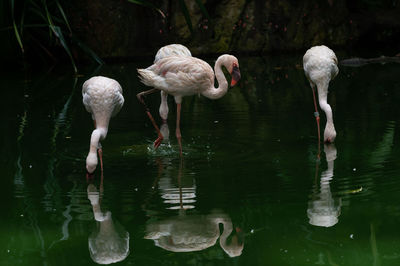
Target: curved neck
97	135
322	98
227	231
216	93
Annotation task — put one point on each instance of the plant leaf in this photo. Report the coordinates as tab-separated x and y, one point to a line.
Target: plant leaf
19	40
186	14
88	50
147	4
203	9
60	36
49	20
63	15
18	37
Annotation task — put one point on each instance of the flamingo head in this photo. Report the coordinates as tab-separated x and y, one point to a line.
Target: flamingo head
234	71
234	247
91	162
329	133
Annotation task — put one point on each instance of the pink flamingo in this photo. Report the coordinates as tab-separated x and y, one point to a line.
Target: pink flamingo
102	98
183	76
165	51
320	67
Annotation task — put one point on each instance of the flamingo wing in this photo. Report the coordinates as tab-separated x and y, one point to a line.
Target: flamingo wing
185	75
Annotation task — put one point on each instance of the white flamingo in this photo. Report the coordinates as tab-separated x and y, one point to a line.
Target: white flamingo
108	243
190	233
323	208
102	98
183	76
320	67
165	51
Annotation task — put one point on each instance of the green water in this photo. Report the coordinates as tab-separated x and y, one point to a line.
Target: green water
250	172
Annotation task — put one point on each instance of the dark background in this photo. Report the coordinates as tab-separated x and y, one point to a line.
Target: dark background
121	31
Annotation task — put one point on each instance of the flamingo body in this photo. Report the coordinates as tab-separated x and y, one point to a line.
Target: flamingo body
320	67
179	76
165	51
185	75
172	50
102	97
190	233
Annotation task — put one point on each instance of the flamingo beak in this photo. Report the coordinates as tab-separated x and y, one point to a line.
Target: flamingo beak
239	235
89	176
235	75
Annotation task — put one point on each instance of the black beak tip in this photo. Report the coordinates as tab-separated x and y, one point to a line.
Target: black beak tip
89	176
235	75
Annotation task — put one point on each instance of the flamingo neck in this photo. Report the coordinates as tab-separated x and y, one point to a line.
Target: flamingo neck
227	224
227	231
326	178
91	160
216	93
98	134
330	132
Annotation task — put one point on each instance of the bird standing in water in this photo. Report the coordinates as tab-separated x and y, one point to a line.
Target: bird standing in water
165	51
320	67
102	98
183	76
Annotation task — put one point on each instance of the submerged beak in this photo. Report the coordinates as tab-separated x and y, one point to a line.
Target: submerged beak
235	75
89	176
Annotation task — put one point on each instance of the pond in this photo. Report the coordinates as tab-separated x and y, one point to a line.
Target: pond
250	189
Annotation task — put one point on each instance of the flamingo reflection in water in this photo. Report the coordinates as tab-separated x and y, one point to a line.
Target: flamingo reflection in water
186	232
323	209
109	242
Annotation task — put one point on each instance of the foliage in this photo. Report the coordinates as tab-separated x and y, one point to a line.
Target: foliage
182	6
44	24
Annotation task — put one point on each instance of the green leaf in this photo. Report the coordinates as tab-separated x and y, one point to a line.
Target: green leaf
17	35
147	4
49	20
88	50
203	9
63	15
60	36
186	15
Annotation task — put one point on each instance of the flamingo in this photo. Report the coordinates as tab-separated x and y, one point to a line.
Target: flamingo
183	76
188	233
324	208
102	98
320	67
107	243
165	51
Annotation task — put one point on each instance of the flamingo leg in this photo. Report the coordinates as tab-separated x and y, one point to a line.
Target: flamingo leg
180	183
140	97
164	107
316	114
100	151
178	128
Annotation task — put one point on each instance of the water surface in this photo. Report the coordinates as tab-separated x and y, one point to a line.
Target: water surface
249	191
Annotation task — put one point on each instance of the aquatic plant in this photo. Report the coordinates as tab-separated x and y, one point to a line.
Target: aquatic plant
183	8
44	24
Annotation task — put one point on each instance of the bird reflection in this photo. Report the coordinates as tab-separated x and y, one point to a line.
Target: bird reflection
186	232
164	129
109	242
323	208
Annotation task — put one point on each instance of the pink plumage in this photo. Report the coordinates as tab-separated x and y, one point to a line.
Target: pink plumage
185	75
320	67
